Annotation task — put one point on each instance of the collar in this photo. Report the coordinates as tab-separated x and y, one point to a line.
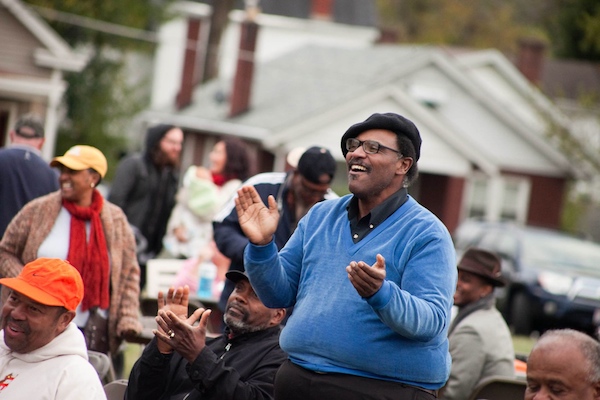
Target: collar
361	228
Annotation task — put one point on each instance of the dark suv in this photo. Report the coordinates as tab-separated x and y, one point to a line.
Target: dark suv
553	278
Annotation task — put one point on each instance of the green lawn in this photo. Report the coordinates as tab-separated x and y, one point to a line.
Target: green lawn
132	353
523	344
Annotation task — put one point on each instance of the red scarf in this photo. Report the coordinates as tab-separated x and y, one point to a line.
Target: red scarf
219	179
91	258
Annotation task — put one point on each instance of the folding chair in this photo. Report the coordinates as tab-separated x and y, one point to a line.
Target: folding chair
115	390
499	388
161	273
102	364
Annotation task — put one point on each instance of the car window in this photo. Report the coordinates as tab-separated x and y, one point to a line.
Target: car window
561	252
467	235
489	240
506	245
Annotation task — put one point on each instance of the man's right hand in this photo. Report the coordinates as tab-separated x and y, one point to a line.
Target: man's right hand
257	221
181	334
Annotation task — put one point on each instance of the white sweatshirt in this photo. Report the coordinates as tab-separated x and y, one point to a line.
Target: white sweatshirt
57	371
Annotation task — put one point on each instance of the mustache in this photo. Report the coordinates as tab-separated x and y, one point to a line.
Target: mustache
353	161
238	308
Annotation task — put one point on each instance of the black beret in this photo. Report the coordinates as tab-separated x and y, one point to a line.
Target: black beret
390	122
315	162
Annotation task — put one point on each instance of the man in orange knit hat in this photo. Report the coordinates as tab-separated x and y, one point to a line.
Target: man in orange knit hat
42	352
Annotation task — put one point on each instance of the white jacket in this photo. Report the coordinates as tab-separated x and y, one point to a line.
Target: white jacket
57	371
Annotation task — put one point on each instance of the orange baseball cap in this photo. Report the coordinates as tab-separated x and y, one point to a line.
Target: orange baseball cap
82	157
49	281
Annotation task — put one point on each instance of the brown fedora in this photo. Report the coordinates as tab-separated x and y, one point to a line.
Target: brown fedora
484	264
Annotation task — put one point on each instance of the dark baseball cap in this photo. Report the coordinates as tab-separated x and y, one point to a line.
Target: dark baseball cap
315	162
236	276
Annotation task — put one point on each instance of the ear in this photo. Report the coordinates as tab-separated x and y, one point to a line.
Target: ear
486	290
278	316
403	165
597	391
64	320
95	177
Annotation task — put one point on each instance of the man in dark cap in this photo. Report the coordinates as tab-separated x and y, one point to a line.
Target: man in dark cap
145	185
480	341
295	193
182	363
370	275
24	174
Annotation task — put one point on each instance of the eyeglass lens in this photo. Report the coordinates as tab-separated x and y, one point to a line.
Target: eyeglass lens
369	146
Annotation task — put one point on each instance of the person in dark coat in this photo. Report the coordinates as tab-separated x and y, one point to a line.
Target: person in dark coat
181	363
24	174
145	185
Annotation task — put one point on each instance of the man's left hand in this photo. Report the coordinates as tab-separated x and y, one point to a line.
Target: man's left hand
366	279
181	335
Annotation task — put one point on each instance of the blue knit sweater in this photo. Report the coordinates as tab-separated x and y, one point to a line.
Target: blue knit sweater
398	334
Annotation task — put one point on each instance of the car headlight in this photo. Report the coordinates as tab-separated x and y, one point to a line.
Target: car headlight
555	283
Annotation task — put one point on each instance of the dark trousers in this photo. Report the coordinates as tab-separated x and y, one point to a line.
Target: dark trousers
296	383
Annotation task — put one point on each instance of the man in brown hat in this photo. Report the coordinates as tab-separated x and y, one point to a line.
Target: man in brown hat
480	341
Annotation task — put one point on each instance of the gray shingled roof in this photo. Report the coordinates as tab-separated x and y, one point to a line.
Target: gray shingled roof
310	80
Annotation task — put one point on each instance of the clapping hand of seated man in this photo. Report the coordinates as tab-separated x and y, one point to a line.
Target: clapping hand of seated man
366	279
177	301
257	221
177	332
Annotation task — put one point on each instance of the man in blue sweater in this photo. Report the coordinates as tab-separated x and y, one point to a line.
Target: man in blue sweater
371	276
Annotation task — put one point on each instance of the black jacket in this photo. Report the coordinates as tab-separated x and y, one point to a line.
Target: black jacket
146	195
242	368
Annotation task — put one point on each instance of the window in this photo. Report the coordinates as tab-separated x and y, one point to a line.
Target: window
499	198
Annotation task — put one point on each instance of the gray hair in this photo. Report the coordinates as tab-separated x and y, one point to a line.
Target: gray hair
590	348
31	121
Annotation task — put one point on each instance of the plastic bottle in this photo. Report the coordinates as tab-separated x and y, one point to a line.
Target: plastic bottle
208	273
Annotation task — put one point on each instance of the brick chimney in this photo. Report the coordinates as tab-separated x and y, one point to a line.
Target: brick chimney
242	84
192	67
530	59
322	9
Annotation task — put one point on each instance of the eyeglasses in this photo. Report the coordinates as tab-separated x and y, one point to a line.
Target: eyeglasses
369	146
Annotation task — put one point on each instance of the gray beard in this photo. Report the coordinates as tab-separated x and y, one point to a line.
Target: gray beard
240	327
